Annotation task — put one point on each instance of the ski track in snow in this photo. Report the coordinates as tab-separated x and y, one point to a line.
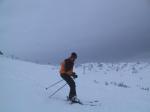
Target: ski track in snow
122	87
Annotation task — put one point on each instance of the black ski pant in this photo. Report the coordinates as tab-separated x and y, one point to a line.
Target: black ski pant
71	84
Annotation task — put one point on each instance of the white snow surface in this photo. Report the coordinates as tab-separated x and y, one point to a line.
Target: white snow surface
121	87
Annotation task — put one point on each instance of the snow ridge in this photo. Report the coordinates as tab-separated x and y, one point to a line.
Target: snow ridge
125	84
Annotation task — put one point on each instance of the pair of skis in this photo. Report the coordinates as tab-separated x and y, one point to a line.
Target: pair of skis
88	103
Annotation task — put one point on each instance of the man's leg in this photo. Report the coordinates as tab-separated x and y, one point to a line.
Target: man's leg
71	84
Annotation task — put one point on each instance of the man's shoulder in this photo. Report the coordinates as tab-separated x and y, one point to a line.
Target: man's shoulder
67	60
64	61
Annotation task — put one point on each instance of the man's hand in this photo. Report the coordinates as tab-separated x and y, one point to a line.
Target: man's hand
74	75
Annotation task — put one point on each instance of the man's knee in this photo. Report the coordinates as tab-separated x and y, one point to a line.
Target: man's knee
72	85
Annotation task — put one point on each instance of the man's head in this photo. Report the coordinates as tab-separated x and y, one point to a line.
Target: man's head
73	56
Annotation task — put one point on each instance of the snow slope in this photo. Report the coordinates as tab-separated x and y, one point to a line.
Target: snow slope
122	87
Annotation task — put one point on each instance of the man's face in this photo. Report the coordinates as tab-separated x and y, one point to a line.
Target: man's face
73	58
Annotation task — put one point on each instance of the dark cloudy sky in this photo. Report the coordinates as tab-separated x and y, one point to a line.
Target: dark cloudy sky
98	30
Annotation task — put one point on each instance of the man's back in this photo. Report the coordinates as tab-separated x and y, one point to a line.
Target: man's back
68	65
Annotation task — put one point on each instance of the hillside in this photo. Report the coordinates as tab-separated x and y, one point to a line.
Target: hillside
122	87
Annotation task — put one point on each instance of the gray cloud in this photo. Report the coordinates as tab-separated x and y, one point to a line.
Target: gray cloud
97	30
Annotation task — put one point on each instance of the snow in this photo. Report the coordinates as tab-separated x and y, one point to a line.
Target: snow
119	87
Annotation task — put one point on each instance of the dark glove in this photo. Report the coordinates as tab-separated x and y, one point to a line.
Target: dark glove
74	75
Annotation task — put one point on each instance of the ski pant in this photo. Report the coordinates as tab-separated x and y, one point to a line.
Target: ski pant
71	84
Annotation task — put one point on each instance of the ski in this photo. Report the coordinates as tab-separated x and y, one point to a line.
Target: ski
76	102
84	103
90	103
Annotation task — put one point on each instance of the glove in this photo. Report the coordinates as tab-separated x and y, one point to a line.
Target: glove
74	75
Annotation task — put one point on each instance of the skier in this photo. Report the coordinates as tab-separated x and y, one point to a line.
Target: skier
66	72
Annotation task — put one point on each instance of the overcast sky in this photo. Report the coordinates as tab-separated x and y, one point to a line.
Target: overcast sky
98	30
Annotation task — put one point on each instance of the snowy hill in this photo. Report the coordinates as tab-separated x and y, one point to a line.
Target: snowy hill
122	87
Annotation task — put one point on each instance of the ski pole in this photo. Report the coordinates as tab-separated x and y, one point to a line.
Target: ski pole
53	84
57	90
